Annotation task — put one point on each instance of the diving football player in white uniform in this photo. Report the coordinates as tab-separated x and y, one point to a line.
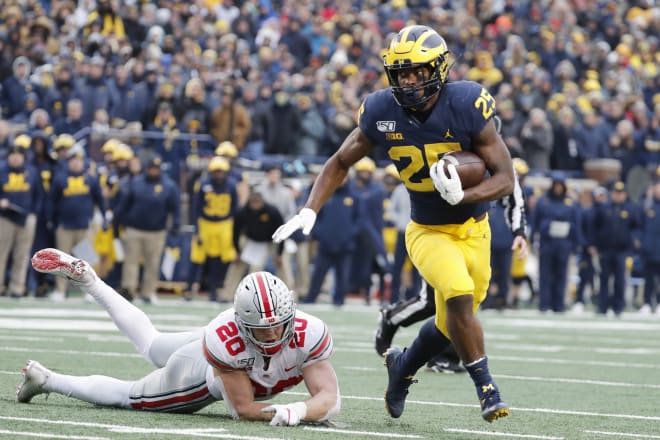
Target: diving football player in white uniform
247	354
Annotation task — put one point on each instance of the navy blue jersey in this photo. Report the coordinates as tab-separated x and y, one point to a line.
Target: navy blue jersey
214	202
461	113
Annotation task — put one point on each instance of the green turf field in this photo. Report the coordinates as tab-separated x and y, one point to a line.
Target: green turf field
565	377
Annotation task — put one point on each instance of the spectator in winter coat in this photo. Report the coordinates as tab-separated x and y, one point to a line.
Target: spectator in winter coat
537	140
231	121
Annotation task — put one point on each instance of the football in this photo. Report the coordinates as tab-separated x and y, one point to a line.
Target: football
470	167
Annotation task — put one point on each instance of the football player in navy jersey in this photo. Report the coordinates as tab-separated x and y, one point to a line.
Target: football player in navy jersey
416	121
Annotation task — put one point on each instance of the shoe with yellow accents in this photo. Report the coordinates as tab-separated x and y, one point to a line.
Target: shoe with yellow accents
492	405
397	383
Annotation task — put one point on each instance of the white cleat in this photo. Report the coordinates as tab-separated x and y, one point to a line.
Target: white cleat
35	376
645	310
60	263
577	308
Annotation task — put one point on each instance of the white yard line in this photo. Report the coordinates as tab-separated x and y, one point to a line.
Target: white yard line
578	381
623	434
30	338
544	379
503	434
534	410
586	324
100	314
556	348
77	352
545	360
219	433
80	325
48	435
365	433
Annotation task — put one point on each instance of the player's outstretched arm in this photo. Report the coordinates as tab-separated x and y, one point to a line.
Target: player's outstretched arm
334	171
321	382
239	396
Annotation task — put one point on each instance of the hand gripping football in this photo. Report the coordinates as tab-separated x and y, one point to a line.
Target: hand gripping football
470	167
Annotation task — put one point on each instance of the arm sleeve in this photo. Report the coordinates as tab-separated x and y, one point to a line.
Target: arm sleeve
514	210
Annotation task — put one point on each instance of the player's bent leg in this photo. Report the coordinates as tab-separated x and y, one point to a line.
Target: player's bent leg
99	390
402	365
467	335
184	385
129	319
165	344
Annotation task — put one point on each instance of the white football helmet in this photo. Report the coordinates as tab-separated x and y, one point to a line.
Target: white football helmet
262	300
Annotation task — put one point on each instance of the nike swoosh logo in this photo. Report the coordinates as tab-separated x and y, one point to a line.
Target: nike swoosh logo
290	368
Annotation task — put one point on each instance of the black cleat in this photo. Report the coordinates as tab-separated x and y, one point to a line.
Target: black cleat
441	365
384	333
397	385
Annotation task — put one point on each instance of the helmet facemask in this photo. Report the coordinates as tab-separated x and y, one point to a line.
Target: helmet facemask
263	301
416	96
416	47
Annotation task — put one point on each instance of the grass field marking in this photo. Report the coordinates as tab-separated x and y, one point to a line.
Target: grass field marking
469	405
59	422
46	435
502	434
544	360
556	348
365	433
30	338
219	433
79	324
627	351
586	338
623	434
48	350
578	381
543	379
97	313
611	325
201	432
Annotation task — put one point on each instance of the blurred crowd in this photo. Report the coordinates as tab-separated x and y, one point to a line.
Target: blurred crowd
103	91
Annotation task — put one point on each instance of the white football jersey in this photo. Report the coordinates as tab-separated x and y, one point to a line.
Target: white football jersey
225	348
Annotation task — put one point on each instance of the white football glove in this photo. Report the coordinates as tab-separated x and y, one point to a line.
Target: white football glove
450	188
304	220
287	415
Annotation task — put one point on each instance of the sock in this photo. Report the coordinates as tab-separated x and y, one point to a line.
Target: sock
429	343
481	376
99	390
130	320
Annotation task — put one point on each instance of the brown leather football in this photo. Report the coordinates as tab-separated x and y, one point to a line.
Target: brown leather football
470	167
